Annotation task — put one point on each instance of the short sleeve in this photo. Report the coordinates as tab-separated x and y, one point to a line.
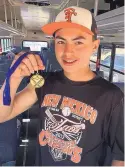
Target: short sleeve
116	132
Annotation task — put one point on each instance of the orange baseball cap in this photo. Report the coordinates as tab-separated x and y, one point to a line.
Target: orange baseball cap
73	17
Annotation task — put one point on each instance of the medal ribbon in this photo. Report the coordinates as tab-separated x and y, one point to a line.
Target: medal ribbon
6	92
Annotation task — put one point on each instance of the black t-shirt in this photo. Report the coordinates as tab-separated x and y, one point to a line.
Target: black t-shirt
78	120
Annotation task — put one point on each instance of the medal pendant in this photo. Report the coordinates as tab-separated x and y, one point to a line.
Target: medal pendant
37	80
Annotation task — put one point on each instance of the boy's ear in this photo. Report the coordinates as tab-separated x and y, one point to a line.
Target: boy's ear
96	44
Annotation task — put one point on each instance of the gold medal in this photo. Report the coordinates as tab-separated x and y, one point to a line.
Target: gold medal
37	80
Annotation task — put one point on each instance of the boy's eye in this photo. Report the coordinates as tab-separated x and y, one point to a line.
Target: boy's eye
60	42
78	43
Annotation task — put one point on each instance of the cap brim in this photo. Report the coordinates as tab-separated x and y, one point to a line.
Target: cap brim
49	29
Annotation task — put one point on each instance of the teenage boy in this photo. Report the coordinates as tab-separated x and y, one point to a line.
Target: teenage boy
81	113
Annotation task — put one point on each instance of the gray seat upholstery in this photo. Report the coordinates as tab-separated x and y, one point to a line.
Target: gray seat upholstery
2	77
120	85
8	141
101	73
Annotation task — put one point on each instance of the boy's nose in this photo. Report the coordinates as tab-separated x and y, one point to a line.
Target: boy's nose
68	48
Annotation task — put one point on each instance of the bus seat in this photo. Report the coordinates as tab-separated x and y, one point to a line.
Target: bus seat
120	85
10	55
26	158
2	77
49	55
45	53
2	61
26	49
8	141
55	65
31	152
4	67
6	155
101	73
32	128
16	49
33	112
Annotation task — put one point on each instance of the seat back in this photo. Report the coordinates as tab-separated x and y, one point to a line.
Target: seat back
8	141
120	85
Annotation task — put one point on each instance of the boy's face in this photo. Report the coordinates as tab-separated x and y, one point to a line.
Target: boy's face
73	49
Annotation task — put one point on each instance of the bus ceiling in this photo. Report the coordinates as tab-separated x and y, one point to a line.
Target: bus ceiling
19	16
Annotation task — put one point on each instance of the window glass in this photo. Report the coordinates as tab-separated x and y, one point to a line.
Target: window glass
94	57
117	77
2	45
5	44
35	45
106	72
105	56
93	66
119	60
0	48
10	43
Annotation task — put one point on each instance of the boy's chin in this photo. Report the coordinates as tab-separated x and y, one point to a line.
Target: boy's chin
70	70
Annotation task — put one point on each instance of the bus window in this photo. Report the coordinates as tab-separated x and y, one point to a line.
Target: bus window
105	57
119	67
93	60
94	57
119	60
2	45
106	71
5	44
93	66
10	43
105	61
117	77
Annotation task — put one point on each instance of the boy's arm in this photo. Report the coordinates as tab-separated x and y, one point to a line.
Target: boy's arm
117	163
20	102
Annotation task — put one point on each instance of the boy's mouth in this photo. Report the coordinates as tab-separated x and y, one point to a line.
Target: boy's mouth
69	62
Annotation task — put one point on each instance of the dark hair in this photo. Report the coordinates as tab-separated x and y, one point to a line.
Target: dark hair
55	33
94	37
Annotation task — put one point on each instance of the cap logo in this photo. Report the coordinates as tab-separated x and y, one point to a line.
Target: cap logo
68	13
